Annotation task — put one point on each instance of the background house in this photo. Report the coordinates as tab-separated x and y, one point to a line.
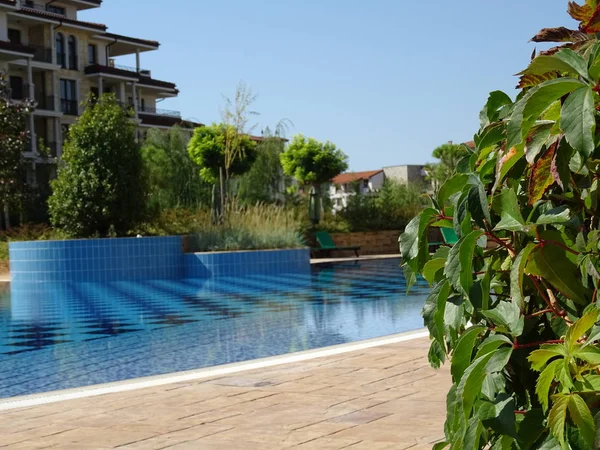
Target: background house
348	184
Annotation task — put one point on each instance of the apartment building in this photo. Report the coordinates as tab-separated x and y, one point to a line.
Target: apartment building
345	185
58	60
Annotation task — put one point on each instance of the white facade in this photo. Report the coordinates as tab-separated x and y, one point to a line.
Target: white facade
349	184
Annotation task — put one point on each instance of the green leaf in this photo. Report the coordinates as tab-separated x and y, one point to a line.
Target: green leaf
551	263
499	359
531	428
564	61
431	269
558	417
492	343
507	316
539	358
470	384
492	135
459	266
516	274
499	415
434	310
413	242
589	383
559	215
542	387
473	435
588	354
461	358
436	355
579	328
511	218
508	161
582	418
451	186
440	445
578	121
478	201
496	100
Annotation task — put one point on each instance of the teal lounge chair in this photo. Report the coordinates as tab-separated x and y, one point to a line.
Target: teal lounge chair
449	236
326	245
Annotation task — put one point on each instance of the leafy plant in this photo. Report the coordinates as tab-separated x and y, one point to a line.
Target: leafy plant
449	155
514	302
312	162
99	189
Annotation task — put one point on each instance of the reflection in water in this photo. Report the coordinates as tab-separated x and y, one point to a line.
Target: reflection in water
78	334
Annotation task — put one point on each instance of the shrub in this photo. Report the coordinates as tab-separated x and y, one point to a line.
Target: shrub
514	303
99	189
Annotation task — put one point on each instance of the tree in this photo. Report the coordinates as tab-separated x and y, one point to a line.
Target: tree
449	155
265	179
208	149
13	141
312	162
99	190
172	177
515	301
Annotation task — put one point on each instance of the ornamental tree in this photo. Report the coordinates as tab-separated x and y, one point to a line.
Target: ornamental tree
312	162
13	141
448	156
210	146
514	305
99	190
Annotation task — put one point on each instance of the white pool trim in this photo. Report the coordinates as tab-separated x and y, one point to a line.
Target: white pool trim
210	372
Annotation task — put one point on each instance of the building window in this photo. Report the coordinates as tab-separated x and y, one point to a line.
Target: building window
16	88
56	10
14	36
143	105
61	59
65	132
92	54
72	53
68	97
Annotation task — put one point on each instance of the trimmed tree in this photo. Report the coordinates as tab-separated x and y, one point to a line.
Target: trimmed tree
99	190
13	142
514	305
312	162
208	149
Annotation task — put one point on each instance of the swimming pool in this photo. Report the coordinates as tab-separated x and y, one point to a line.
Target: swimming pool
78	334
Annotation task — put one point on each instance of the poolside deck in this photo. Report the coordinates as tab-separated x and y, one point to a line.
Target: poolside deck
385	397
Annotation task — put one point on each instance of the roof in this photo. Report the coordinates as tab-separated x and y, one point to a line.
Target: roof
60	18
131	39
264	138
167	121
470	144
351	177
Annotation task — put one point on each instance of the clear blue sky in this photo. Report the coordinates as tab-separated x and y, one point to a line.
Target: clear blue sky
386	80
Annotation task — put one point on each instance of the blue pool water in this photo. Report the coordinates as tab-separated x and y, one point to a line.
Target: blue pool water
78	334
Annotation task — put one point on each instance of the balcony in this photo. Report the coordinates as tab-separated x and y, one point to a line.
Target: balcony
159	112
45	102
42	54
69	107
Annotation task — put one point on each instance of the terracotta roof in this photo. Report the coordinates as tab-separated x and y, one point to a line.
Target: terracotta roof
263	138
470	144
60	18
133	40
351	177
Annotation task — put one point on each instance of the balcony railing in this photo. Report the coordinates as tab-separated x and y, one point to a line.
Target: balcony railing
142	72
69	107
42	54
158	112
46	103
47	8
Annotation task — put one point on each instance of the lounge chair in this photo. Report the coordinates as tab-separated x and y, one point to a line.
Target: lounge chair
326	244
449	236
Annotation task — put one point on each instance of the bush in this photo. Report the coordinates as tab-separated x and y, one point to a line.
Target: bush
99	189
515	302
389	209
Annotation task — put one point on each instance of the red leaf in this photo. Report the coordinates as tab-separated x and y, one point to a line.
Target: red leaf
560	34
533	80
541	175
593	25
581	13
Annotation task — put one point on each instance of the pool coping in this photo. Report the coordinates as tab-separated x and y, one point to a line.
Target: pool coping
353	258
204	373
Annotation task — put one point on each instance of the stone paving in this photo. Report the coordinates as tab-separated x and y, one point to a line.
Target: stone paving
382	398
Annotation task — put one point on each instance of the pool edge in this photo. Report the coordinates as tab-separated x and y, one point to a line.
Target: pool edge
204	373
